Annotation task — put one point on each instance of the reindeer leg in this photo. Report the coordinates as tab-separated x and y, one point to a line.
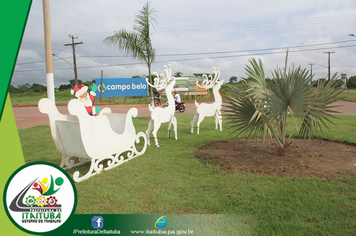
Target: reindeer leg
157	125
193	121
201	118
148	131
174	121
220	120
169	128
216	119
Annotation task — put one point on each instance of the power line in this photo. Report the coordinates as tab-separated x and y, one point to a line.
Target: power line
201	58
246	24
320	65
207	53
109	56
39	45
33	62
253	24
347	62
349	69
239	51
62	59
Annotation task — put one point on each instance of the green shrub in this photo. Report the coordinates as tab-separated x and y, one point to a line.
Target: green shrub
351	83
336	84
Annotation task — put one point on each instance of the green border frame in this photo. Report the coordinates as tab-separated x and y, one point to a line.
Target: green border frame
15	14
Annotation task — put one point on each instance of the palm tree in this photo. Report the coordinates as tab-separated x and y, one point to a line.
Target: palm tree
257	107
137	43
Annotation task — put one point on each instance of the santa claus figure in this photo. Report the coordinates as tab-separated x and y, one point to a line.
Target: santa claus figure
81	92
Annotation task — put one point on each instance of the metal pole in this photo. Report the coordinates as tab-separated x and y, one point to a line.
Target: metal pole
329	63
74	57
311	70
101	85
329	66
74	63
48	50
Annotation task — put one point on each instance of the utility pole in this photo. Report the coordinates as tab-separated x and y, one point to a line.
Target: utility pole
311	68
48	50
101	85
74	59
329	63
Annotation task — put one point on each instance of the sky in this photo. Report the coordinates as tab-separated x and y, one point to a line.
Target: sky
192	36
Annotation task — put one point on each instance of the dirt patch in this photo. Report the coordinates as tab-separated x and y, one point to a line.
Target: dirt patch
303	159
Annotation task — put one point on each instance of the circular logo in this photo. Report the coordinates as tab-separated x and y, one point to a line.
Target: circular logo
39	197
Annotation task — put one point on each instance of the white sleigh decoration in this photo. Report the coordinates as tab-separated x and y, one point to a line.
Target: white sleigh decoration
161	115
109	138
213	109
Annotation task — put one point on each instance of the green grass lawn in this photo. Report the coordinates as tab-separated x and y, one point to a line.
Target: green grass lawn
349	94
170	180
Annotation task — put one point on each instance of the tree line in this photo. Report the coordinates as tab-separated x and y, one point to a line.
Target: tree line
351	82
29	88
23	88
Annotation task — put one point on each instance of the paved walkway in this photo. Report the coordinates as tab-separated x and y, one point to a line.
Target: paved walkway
346	108
30	115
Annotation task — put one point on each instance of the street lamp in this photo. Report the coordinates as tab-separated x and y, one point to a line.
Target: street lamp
62	59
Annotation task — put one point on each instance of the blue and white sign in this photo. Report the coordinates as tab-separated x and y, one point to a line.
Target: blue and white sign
122	87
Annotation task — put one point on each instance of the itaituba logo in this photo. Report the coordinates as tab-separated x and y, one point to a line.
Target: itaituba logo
42	207
43	203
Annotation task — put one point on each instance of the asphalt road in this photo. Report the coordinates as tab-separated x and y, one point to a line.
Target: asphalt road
28	116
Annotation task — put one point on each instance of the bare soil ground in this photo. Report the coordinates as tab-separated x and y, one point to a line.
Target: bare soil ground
303	159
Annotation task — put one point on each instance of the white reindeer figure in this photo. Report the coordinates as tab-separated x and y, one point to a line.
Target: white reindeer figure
213	109
161	115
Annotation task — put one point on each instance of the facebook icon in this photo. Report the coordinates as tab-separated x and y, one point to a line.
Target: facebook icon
97	222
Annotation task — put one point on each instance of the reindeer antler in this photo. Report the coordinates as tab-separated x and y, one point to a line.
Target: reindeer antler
209	82
161	82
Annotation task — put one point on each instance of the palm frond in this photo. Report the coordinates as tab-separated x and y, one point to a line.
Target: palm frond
138	43
145	19
245	115
320	109
290	93
130	42
256	73
256	106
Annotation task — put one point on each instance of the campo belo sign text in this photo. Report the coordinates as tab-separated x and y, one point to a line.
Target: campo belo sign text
122	87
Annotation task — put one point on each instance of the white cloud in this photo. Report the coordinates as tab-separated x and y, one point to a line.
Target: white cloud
27	55
190	26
